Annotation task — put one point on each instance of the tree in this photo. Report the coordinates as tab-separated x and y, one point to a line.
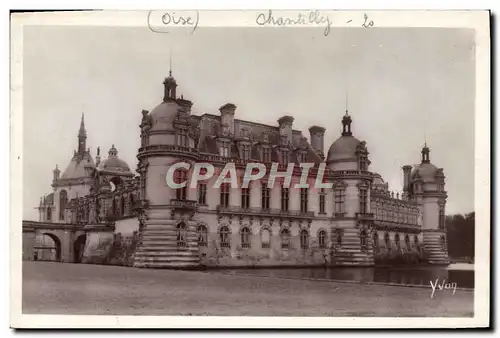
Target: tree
461	237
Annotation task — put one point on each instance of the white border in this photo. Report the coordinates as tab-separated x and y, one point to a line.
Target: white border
471	19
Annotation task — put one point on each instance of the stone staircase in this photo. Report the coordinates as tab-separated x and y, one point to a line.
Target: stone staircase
158	247
350	252
434	248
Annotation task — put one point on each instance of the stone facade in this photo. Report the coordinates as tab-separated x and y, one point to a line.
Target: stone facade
358	221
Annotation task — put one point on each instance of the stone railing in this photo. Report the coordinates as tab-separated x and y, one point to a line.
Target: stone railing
170	149
183	204
365	216
271	212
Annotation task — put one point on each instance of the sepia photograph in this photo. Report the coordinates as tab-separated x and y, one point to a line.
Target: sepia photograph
250	164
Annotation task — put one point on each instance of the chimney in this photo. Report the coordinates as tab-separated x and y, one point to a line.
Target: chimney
285	123
317	134
406	179
98	157
227	118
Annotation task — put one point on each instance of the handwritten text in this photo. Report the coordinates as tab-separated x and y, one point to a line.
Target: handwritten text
442	286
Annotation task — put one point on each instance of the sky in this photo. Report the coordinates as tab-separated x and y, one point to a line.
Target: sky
405	86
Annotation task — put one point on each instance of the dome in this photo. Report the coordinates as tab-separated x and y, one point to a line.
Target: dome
343	148
163	116
113	163
426	171
377	179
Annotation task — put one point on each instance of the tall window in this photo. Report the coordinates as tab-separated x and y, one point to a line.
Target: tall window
245	198
322	239
122	205
397	241
284	199
265	196
224	237
363	162
224	149
363	200
303	199
266	154
265	238
181	234
245	237
285	238
304	239
131	202
63	202
245	152
180	177
441	217
322	197
407	241
224	195
202	235
49	214
302	157
363	239
114	207
387	241
182	138
375	240
284	157
339	200
202	193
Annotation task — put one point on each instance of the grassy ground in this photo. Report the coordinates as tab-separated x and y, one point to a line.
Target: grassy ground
55	288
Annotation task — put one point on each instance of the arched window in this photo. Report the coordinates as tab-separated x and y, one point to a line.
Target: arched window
398	243
49	214
245	237
285	238
304	239
265	238
407	241
362	239
122	205
443	242
202	235
224	237
322	239
181	234
338	233
387	241
63	203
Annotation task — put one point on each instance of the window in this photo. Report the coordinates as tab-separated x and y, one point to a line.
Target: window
303	199
181	234
245	152
114	207
224	237
265	238
363	200
182	138
339	201
304	239
285	238
363	239
339	234
245	237
302	157
322	197
202	193
417	244
363	162
322	239
266	154
441	217
284	157
63	202
224	149
387	241
224	195
398	243
180	177
245	198
375	240
122	205
131	203
284	199
202	235
265	196
49	214
407	241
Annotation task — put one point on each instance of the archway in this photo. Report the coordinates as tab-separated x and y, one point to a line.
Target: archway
48	248
79	248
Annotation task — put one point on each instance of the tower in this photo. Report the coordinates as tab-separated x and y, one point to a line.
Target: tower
82	137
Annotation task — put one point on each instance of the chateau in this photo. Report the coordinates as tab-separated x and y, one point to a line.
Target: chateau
352	223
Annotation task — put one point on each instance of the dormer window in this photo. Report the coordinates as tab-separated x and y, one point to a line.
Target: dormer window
245	152
266	154
362	162
284	157
302	157
182	138
224	149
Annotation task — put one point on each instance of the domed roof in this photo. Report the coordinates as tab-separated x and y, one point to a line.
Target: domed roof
113	163
377	179
163	116
426	171
343	148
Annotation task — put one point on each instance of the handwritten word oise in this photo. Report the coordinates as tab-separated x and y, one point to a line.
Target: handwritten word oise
173	19
303	20
443	286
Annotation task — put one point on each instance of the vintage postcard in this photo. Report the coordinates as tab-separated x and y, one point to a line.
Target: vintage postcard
271	169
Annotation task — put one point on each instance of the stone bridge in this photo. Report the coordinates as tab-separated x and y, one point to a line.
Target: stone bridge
69	239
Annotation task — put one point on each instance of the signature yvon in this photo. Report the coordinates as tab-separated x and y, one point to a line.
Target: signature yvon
443	286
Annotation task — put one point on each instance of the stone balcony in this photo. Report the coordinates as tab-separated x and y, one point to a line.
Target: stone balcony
363	216
270	212
183	204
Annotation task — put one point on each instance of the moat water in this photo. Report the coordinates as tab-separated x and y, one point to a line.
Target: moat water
461	274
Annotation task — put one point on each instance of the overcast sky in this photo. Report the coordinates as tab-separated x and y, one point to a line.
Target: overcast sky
404	86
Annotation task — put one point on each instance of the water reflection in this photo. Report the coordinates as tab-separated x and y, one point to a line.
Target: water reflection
396	275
